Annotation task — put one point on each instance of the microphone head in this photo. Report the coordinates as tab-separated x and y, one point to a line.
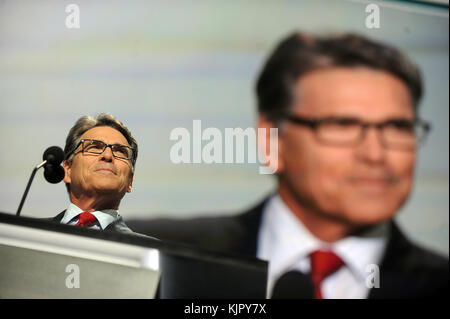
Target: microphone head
293	285
53	155
54	174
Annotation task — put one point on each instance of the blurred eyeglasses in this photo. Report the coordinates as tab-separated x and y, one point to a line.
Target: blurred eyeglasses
347	131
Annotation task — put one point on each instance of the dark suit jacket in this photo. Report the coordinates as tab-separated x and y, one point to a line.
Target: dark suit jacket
406	270
117	225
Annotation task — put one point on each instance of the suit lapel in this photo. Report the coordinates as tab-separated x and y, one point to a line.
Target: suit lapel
58	217
249	224
119	225
396	279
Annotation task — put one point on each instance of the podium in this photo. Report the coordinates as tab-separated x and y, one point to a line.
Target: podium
43	259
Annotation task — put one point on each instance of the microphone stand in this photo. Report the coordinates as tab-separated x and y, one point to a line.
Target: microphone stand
28	186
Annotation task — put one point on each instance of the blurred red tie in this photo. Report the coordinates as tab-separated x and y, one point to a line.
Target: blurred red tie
86	219
323	264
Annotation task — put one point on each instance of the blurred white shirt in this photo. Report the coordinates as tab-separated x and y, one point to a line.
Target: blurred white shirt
286	243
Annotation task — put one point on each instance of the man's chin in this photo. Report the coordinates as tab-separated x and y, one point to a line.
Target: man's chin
108	189
370	215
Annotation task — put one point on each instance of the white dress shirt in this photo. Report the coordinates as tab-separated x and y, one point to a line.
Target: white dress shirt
104	217
286	243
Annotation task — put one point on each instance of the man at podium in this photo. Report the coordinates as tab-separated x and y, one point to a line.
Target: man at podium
100	157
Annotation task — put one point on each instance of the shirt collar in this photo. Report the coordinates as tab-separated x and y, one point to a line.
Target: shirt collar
364	249
104	217
284	241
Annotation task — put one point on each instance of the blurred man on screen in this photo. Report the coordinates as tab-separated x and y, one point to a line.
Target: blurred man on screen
346	109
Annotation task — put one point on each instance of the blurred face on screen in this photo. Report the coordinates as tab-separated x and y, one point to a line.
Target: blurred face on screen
102	175
359	184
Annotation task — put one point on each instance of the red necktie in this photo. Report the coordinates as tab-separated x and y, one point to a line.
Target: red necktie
323	264
86	219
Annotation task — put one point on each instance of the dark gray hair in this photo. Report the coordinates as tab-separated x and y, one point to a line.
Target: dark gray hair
86	123
300	53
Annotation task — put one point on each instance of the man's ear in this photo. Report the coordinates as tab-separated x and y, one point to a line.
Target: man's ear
130	183
68	169
277	163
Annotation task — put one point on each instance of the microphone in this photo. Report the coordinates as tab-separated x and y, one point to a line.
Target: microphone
54	174
293	285
53	171
53	155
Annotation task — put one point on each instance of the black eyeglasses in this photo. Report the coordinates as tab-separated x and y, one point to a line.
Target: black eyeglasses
348	131
98	147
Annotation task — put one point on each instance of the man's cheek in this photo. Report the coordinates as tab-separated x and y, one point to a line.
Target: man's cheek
329	186
404	186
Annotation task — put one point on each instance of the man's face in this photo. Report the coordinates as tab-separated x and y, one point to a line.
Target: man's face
91	174
361	184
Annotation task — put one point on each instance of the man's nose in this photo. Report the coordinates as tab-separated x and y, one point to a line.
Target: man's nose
107	155
371	148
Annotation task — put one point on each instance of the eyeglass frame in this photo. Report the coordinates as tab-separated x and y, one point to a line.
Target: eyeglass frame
104	149
314	123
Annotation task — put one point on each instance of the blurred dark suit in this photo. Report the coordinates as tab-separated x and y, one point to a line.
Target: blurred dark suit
407	270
